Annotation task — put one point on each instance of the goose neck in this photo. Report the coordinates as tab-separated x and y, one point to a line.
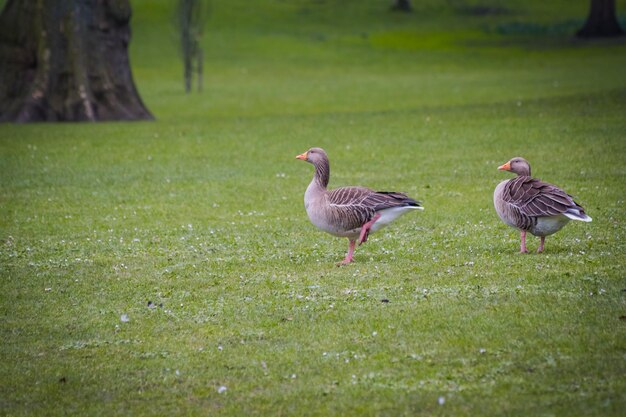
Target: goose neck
322	173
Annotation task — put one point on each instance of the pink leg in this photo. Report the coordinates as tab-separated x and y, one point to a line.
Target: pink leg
543	240
523	245
365	229
348	258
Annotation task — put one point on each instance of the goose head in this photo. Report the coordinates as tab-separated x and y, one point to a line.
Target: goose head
314	156
517	165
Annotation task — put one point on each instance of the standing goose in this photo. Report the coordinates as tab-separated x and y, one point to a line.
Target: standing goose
352	212
531	205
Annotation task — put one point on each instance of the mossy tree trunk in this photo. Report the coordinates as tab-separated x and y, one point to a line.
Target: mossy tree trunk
191	17
402	6
187	40
601	21
67	61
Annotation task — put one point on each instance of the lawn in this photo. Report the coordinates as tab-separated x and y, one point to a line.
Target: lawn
169	268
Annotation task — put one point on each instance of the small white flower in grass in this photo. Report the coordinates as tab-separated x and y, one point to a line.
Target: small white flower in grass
441	400
124	318
222	389
482	350
293	376
374	333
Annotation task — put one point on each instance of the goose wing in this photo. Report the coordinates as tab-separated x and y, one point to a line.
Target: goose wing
351	207
535	198
381	200
348	207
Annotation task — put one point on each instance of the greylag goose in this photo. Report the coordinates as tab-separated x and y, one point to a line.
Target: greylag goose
534	206
352	212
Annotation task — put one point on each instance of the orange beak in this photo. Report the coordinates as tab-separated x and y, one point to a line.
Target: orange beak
505	167
302	156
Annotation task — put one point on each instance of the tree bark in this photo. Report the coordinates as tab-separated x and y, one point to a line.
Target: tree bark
67	61
191	17
402	6
601	21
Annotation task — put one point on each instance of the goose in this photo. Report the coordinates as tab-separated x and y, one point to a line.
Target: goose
534	206
352	212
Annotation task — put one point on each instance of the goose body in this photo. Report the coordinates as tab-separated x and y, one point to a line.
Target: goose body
534	206
351	212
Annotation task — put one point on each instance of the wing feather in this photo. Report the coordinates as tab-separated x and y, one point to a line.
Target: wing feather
351	207
535	198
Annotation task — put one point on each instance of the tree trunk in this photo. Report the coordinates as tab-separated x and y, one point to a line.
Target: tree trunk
601	21
67	61
191	17
402	6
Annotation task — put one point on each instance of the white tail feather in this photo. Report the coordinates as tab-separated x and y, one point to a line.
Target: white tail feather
390	214
577	215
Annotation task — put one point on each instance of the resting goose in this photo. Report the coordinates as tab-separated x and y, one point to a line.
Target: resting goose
531	205
352	212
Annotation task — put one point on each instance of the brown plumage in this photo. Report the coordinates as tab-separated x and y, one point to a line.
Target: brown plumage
352	212
532	205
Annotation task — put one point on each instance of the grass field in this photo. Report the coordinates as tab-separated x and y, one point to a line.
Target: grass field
169	268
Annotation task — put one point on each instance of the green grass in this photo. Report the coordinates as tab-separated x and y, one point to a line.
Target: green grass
201	213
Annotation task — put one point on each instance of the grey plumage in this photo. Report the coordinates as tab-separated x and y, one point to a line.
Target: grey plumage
351	207
532	205
347	211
